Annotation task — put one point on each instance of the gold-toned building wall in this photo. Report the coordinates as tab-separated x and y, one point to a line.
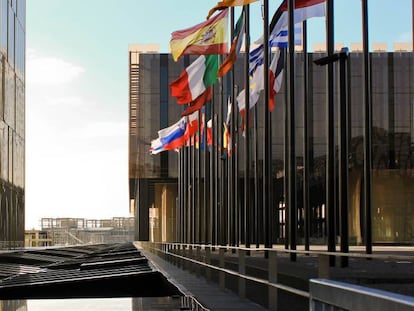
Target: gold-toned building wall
12	122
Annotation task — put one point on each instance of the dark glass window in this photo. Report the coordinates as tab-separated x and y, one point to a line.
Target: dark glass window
164	90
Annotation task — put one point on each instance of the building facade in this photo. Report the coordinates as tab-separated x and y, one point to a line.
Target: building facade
186	203
79	231
12	122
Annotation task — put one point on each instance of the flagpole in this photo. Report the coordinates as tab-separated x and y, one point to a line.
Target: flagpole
330	163
286	159
343	155
186	178
230	146
193	190
180	197
212	175
247	209
235	151
256	176
220	164
292	203
367	130
267	136
199	209
306	207
193	187
206	179
231	183
185	190
216	174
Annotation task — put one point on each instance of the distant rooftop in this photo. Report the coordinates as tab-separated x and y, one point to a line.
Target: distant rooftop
144	48
375	47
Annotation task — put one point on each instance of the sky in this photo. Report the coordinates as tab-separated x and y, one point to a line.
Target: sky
77	89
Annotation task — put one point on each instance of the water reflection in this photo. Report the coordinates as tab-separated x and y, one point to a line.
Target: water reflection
101	304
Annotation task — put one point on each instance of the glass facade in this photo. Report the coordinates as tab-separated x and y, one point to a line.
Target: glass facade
12	122
392	149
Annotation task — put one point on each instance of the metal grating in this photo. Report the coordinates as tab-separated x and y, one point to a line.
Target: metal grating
115	270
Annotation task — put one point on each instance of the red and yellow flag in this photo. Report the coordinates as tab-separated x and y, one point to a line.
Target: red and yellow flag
209	37
235	47
228	3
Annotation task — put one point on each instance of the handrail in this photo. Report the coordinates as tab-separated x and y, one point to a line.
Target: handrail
234	273
299	252
169	249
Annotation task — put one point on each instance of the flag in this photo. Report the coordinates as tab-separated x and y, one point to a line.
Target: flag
256	85
280	38
225	136
276	76
226	132
209	132
235	47
195	79
304	9
209	37
203	138
191	129
228	3
170	138
199	102
228	118
192	124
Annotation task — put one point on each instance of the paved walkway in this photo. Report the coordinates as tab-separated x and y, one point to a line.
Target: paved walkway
209	294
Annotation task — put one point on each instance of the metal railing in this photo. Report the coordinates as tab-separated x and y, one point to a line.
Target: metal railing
191	303
195	256
333	295
9	245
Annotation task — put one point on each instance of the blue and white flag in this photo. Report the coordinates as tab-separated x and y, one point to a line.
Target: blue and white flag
170	138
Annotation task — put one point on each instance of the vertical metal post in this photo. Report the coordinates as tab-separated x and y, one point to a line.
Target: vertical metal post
267	133
179	209
208	261
242	271
235	141
185	196
192	187
199	176
217	202
231	171
286	159
212	176
185	179
222	275
330	163
247	207
306	207
292	141
272	270
220	164
367	130
206	223
343	155
255	217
